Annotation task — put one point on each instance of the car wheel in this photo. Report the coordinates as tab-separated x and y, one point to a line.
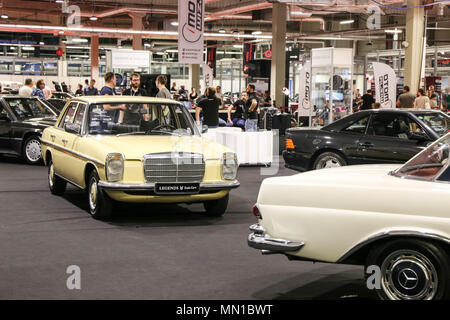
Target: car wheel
216	208
329	160
56	184
100	205
411	270
32	151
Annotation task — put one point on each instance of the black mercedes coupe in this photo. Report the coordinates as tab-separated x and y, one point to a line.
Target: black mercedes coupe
22	121
369	136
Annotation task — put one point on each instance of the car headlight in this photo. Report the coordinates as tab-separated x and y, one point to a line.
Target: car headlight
229	166
114	167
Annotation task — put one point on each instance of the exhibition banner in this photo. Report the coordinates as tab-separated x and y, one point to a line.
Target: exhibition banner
208	76
130	59
385	85
304	93
191	14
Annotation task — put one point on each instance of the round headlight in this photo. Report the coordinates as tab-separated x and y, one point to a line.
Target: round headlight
114	167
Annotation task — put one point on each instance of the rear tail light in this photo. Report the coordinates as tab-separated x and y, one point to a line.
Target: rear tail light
289	144
256	212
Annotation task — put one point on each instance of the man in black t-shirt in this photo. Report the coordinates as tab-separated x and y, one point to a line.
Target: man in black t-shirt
367	100
238	119
133	112
251	107
210	108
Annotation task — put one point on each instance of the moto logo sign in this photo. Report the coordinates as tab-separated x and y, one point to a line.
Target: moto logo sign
374	280
193	29
74	280
374	19
74	19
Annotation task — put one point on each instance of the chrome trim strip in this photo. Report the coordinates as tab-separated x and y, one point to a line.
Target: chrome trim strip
391	233
151	186
72	152
73	183
265	242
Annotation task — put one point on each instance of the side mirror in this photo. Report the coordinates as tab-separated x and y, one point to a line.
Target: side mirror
72	128
4	117
419	136
204	128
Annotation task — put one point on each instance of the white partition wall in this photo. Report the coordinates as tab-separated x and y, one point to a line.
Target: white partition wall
332	84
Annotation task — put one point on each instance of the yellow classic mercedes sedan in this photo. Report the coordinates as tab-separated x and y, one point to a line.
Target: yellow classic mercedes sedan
136	149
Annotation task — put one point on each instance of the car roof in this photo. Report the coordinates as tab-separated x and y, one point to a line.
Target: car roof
412	110
122	99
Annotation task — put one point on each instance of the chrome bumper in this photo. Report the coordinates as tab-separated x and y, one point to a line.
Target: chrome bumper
204	186
258	239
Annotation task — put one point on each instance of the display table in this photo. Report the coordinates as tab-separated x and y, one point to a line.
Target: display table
251	148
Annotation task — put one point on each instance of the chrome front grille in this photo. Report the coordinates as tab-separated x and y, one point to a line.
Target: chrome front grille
174	167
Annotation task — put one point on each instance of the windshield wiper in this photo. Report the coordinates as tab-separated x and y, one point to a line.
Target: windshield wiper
162	131
130	133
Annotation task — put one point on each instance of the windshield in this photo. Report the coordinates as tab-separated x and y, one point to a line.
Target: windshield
439	122
431	163
140	119
25	108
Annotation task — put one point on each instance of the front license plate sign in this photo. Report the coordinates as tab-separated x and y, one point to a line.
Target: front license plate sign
177	188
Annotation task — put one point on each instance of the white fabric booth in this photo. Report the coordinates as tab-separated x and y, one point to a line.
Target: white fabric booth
251	148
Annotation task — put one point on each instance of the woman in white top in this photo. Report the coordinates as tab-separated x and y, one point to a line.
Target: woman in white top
422	101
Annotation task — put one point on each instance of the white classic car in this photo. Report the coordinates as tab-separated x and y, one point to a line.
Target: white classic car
394	219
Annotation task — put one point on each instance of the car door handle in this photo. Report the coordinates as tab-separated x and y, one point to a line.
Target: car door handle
53	137
366	144
64	141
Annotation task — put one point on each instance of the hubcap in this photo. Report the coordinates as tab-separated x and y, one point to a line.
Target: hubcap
93	195
33	150
409	275
329	162
51	175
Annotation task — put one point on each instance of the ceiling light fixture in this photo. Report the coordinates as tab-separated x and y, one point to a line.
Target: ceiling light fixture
93	18
347	21
80	40
28	48
256	32
174	23
4	16
222	31
393	30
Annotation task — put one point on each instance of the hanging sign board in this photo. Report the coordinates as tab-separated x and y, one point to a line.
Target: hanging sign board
130	59
191	14
385	82
208	76
304	93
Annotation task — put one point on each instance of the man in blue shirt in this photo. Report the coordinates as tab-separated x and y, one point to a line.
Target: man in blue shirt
109	90
91	90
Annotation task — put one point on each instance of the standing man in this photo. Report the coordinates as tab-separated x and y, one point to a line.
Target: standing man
406	99
38	92
133	112
86	84
161	82
367	101
26	90
110	90
210	107
174	87
267	99
238	119
91	90
251	107
220	96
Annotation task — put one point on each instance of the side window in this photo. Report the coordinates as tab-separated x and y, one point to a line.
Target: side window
80	114
69	115
392	125
359	126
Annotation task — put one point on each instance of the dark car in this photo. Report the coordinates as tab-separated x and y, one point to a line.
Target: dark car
62	95
369	136
58	104
22	121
